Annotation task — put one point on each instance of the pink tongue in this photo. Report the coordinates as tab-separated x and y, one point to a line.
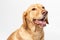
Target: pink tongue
42	23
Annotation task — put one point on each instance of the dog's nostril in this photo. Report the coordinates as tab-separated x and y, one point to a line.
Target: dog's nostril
45	12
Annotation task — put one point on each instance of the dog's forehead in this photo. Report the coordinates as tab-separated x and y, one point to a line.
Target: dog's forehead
36	5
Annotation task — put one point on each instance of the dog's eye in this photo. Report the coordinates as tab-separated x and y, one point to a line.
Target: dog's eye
43	7
34	9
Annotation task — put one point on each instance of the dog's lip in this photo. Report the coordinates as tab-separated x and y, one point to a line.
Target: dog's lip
40	22
42	19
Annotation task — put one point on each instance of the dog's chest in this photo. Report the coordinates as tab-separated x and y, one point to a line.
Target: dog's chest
31	35
36	35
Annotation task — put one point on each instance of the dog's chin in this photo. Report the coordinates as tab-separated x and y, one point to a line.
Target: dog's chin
40	22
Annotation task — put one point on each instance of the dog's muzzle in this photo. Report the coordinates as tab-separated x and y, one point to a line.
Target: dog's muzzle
42	21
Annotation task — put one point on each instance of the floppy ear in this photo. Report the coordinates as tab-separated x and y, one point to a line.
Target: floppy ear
24	19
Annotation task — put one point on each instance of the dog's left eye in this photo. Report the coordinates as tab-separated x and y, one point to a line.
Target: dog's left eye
33	9
43	7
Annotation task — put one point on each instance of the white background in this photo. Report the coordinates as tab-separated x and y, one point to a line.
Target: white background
11	17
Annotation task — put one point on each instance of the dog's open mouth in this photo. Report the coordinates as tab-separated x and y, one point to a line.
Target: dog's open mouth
40	22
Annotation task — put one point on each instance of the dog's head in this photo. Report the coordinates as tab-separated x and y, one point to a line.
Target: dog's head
36	14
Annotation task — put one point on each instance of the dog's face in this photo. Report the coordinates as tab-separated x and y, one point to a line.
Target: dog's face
37	14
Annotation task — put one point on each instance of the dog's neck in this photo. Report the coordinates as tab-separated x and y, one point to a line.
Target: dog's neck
33	27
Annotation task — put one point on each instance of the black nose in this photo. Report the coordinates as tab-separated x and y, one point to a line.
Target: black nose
44	13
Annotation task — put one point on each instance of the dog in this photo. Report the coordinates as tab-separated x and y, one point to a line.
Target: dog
35	19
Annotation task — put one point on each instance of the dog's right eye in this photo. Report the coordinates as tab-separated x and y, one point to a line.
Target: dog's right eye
33	9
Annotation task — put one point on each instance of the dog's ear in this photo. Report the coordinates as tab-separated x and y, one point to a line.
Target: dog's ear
47	20
24	19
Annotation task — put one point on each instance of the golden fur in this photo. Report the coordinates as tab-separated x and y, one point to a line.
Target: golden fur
29	30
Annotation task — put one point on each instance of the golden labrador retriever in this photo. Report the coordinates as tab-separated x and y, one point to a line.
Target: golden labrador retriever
34	19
